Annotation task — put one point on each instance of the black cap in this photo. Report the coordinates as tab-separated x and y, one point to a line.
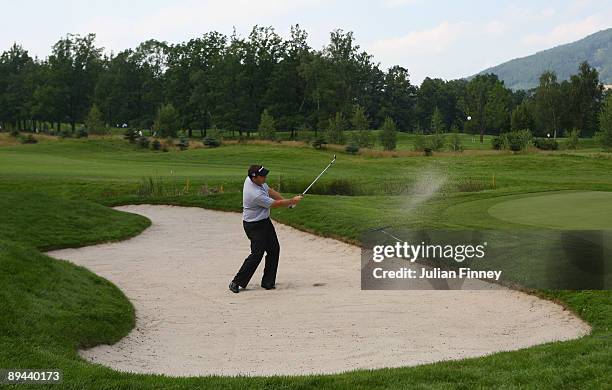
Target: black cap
258	170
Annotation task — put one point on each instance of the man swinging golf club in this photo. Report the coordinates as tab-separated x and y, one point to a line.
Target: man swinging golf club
257	199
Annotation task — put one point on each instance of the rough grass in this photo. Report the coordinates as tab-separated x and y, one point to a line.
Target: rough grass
48	199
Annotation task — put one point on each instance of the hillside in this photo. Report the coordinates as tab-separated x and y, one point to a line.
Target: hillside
523	73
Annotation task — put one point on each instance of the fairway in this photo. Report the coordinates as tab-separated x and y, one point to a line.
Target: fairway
558	210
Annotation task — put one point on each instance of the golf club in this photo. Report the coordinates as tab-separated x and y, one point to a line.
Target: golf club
317	178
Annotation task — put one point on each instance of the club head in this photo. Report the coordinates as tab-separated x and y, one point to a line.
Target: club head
334	160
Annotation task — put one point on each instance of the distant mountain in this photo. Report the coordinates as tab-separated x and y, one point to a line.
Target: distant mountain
524	73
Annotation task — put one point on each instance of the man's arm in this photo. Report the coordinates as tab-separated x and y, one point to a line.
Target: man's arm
274	194
286	202
267	201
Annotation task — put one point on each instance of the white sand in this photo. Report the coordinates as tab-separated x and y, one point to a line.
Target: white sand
318	320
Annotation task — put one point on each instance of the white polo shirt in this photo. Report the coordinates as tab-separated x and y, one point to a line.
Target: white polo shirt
256	201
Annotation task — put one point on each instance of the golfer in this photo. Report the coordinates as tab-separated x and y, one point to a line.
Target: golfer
257	199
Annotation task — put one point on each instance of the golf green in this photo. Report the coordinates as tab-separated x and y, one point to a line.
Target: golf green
558	210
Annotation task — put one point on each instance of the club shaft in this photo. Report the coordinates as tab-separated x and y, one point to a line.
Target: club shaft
317	178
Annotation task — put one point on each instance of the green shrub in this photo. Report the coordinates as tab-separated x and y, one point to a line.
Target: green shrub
335	129
546	143
516	140
211	142
14	133
156	145
573	139
363	138
428	151
436	141
65	134
267	126
388	134
455	141
131	135
143	142
319	143
28	139
183	143
81	133
352	148
420	143
497	143
604	135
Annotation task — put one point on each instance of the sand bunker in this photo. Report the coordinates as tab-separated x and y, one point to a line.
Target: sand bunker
317	320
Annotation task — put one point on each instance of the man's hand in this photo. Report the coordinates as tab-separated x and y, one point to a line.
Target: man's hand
296	199
287	202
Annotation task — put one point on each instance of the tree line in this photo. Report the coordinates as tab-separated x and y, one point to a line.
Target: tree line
228	82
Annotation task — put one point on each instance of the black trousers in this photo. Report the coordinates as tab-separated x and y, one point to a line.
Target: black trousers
263	239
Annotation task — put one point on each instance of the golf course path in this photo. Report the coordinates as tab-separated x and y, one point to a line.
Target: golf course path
318	320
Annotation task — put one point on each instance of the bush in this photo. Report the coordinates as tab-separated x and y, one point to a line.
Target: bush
183	143
363	138
81	133
131	135
436	141
156	145
143	142
546	143
167	121
94	122
388	134
604	135
352	148
267	127
29	139
516	140
319	143
455	142
335	129
428	151
14	133
65	134
211	142
573	139
420	143
497	143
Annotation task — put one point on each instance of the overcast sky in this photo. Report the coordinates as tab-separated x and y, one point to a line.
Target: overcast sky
447	39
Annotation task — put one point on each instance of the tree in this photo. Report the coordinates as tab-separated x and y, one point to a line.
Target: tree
361	127
167	121
388	134
399	98
585	99
267	127
476	99
93	121
335	129
547	101
604	135
359	120
16	87
522	118
437	122
74	66
497	108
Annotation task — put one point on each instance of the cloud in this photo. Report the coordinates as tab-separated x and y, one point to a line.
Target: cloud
433	40
495	27
566	32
